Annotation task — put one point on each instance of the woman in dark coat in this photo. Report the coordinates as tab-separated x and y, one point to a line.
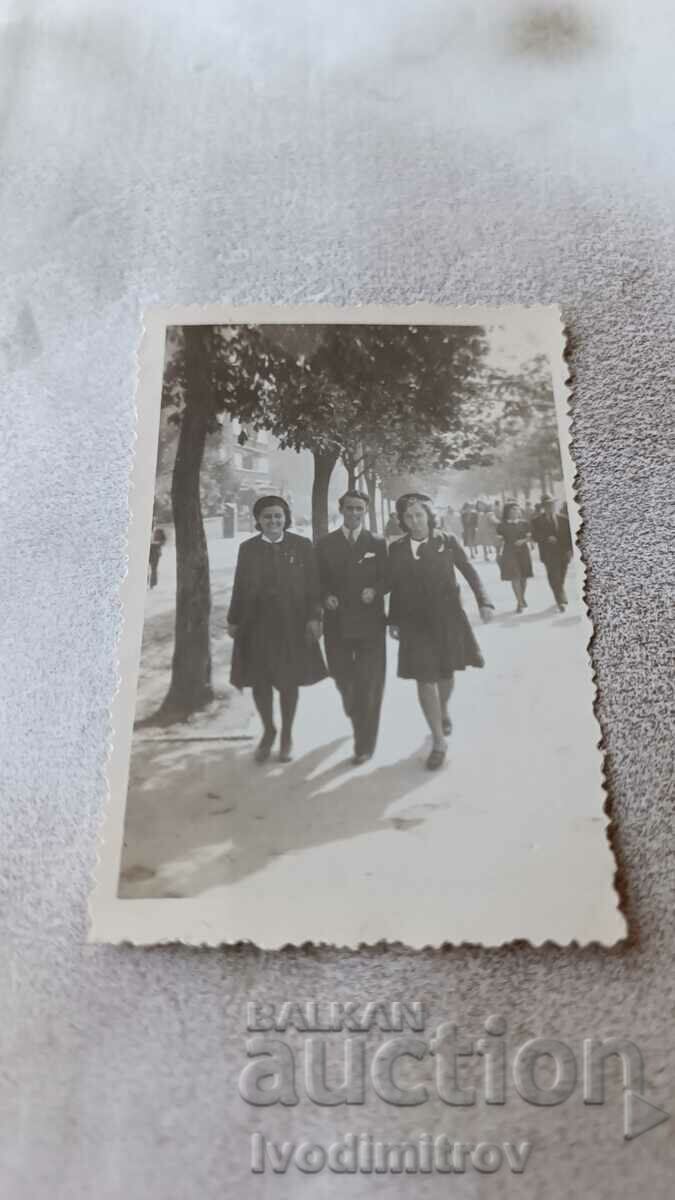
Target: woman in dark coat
515	560
275	620
426	615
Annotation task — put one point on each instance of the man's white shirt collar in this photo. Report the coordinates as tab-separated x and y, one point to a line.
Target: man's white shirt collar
417	546
348	533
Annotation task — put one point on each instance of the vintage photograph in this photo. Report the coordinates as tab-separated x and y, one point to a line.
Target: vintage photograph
356	701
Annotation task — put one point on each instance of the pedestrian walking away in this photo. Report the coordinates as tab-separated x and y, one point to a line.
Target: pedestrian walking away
515	560
156	546
486	533
551	532
275	620
353	580
426	616
392	529
469	519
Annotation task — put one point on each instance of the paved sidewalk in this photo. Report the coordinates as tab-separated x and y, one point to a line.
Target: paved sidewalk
509	815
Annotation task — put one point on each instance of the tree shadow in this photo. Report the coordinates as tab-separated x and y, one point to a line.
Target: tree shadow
199	818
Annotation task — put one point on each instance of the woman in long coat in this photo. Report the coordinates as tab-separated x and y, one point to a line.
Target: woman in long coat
275	620
426	614
515	560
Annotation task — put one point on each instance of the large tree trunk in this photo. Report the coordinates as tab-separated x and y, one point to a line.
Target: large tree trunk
190	687
371	484
350	467
324	462
542	477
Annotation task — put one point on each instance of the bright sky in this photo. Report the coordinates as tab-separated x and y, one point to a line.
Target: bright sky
510	348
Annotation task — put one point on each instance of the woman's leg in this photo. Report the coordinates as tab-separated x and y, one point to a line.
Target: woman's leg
520	592
516	590
288	698
263	698
427	694
523	584
445	687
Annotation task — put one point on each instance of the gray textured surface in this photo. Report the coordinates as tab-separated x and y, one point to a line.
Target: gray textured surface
262	152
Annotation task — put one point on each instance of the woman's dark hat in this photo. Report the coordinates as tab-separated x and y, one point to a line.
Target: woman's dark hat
410	498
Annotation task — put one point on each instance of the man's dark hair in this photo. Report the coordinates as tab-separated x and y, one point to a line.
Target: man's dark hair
353	494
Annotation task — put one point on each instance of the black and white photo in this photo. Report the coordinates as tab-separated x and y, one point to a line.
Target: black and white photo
356	700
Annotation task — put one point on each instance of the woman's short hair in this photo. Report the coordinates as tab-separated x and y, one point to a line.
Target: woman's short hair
403	504
508	508
353	494
271	502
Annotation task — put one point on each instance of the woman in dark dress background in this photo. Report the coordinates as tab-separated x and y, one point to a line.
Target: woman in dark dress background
515	560
426	615
275	620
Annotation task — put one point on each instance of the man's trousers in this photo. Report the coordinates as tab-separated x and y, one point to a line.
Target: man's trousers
358	668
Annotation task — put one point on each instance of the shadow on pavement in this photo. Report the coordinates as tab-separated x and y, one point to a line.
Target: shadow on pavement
200	816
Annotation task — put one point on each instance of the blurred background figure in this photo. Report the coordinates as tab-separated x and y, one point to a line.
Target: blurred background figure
515	560
157	542
469	517
392	529
486	533
551	532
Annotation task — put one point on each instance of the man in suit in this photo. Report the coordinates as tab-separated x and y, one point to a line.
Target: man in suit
353	580
551	532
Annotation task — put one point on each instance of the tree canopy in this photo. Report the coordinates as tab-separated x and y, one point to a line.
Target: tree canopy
382	399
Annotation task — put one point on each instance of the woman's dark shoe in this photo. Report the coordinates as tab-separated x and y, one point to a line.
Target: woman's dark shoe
359	759
435	759
264	747
447	725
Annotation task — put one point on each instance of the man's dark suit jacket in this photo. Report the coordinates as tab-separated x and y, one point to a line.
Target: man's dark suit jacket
556	525
345	569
